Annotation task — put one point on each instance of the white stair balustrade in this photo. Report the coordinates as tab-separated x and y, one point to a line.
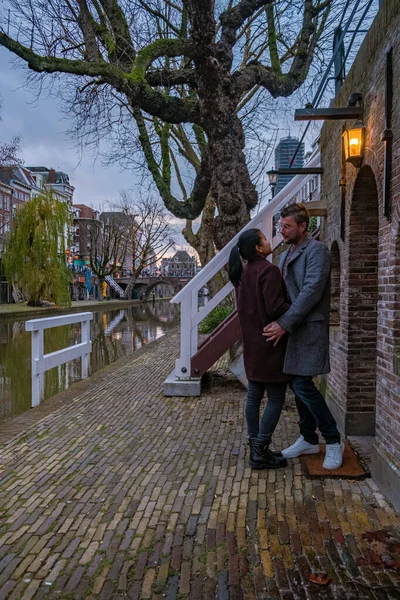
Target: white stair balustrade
112	283
43	362
302	188
113	324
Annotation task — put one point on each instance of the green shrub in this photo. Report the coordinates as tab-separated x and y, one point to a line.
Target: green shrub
312	224
216	316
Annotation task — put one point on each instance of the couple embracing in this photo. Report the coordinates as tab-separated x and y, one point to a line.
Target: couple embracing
284	319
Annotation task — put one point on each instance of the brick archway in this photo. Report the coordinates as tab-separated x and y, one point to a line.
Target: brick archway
363	297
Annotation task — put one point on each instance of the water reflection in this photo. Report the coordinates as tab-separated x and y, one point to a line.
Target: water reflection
114	334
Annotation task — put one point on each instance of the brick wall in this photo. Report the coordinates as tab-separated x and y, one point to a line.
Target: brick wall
363	388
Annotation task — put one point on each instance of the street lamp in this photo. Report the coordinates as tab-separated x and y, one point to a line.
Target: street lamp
273	180
354	143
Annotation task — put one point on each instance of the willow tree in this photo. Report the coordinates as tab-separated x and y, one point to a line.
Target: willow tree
183	62
34	255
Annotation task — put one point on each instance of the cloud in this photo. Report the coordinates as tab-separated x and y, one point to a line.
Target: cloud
42	128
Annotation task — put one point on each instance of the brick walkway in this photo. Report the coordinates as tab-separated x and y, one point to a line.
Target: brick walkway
122	493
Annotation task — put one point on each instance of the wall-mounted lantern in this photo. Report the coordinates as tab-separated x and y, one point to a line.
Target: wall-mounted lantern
354	144
273	180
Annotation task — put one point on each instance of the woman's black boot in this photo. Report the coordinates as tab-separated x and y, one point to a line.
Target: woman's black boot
262	458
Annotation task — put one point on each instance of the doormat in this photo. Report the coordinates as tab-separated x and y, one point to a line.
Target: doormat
352	467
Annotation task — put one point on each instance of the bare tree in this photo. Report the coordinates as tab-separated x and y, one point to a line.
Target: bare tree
149	233
188	63
9	151
108	246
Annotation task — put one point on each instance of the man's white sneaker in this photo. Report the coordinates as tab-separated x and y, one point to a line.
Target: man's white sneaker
334	456
300	447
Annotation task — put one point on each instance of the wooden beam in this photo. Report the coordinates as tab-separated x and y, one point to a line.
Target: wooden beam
215	345
328	114
301	171
316	208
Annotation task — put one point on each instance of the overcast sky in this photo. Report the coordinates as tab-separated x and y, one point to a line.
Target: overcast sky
43	140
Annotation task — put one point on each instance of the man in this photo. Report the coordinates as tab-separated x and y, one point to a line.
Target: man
306	267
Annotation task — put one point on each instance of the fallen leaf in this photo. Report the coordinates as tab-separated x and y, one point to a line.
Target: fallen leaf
320	578
376	536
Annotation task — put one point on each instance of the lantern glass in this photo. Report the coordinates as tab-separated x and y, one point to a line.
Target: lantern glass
353	142
272	176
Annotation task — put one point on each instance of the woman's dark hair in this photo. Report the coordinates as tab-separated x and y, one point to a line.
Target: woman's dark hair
246	249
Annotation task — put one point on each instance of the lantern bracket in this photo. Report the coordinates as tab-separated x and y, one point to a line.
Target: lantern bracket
354	99
353	110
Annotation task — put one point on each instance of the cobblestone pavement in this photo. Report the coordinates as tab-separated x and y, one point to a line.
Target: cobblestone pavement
122	493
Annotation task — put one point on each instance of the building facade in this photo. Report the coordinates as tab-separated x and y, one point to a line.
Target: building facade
362	230
179	265
58	181
17	185
84	218
284	153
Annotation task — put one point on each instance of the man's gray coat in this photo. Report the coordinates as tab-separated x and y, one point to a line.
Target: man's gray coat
307	320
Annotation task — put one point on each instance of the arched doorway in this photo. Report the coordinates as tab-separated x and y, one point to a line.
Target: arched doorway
362	301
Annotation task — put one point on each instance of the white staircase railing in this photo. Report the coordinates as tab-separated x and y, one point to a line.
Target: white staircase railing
112	283
301	188
116	321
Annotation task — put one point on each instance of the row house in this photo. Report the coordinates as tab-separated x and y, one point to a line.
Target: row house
19	184
84	219
58	181
16	186
179	265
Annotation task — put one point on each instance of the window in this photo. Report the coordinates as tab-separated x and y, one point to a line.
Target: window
20	195
6	203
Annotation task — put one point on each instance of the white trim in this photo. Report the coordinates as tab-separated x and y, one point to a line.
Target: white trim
43	362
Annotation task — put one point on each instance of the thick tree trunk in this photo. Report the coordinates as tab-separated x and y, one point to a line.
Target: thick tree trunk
203	241
234	193
129	287
230	180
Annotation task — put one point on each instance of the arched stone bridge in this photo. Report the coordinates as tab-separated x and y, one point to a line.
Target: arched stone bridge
145	285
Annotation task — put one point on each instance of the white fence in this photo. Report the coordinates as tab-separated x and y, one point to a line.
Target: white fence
43	362
301	188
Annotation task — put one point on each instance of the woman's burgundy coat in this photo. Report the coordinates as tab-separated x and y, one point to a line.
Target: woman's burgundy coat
261	299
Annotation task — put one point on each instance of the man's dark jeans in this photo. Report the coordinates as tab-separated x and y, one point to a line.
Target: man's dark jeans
263	430
313	412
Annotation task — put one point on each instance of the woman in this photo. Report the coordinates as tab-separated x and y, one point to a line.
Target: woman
261	299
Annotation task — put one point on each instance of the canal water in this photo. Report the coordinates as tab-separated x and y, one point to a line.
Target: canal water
114	333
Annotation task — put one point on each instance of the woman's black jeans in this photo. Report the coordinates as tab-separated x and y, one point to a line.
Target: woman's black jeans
263	430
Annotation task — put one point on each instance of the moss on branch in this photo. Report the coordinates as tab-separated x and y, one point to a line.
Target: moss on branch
140	93
157	49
